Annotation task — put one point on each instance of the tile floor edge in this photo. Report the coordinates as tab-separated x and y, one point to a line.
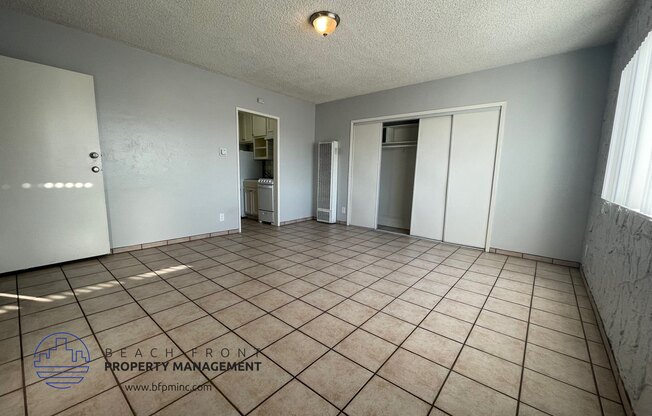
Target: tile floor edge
160	243
535	257
624	395
304	219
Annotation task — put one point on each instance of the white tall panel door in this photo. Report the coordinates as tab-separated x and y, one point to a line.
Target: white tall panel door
365	168
52	206
470	177
431	173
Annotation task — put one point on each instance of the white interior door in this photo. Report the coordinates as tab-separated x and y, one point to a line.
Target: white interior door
431	173
470	177
365	168
52	206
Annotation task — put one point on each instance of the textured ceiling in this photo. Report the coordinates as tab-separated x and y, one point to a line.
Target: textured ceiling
379	44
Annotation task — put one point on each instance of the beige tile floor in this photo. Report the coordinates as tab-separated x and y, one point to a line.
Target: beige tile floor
340	321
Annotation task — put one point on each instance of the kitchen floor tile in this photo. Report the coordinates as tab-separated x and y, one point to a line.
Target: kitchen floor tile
352	312
323	299
336	378
296	313
327	329
421	377
239	314
295	399
263	331
557	398
489	370
560	366
503	324
197	332
247	389
503	346
557	341
447	326
389	328
379	397
327	304
200	403
406	311
366	349
465	397
295	352
436	348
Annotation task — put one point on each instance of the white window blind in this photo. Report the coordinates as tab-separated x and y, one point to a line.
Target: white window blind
628	178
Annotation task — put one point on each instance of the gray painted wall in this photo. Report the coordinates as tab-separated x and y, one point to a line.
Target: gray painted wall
617	257
161	126
552	128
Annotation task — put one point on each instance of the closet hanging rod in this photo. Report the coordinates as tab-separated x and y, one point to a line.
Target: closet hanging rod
399	145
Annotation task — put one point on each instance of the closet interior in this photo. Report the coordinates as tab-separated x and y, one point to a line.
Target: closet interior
397	163
430	177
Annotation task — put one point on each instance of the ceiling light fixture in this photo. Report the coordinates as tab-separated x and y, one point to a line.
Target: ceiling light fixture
324	22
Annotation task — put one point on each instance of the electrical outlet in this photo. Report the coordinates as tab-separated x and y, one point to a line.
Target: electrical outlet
221	216
343	210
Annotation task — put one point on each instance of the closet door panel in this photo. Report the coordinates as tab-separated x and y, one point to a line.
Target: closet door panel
470	177
431	172
365	166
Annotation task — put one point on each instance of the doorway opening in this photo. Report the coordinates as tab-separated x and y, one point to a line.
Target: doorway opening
397	163
257	138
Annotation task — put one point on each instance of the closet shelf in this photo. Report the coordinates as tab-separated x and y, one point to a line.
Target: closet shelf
400	144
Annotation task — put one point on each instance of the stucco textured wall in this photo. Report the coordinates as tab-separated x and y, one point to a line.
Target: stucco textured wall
617	256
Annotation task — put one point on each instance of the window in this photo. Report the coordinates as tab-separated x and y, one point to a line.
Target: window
628	179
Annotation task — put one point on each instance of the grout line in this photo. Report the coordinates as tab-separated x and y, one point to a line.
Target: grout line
451	254
606	342
97	358
267	313
107	310
329	348
208	379
527	334
98	343
240	271
588	352
295	237
464	344
323	312
375	373
22	353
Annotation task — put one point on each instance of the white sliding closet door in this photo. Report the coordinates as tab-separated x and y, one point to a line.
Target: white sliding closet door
429	200
365	168
470	177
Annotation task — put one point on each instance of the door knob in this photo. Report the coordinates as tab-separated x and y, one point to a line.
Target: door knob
94	155
95	169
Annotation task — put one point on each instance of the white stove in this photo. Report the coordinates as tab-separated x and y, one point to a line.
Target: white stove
266	200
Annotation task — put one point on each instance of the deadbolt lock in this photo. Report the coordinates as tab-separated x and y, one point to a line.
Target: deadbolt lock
94	155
